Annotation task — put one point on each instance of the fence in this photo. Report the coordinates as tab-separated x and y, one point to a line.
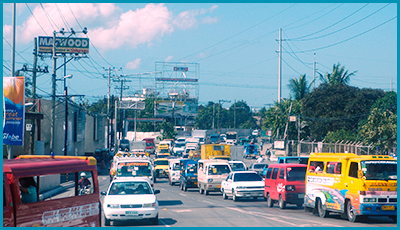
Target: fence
293	148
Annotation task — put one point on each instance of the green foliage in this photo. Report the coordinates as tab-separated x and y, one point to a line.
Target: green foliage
299	88
338	75
340	135
168	130
332	107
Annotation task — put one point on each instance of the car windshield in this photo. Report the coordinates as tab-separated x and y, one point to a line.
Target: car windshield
237	166
218	169
124	141
160	163
191	168
163	151
130	188
149	144
259	166
134	169
296	173
176	167
179	145
246	177
379	170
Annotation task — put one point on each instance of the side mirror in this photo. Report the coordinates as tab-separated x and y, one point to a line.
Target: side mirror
156	191
103	193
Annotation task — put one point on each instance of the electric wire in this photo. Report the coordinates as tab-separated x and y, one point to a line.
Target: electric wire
62	16
49	18
291	67
14	50
35	18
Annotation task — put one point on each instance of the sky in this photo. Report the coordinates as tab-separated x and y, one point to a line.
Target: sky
231	48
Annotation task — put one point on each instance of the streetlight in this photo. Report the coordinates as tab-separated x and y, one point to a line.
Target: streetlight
66	112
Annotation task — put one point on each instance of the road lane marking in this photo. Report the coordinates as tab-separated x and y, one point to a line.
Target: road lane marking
182	194
208	202
182	210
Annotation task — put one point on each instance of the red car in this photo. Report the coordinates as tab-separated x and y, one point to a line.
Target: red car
150	146
285	184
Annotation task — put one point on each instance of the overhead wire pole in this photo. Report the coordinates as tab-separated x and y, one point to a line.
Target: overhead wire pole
109	118
280	65
122	116
10	147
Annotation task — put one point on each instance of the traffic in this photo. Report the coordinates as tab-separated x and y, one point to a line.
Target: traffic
220	182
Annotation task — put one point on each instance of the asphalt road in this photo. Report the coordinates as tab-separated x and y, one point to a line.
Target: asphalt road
192	209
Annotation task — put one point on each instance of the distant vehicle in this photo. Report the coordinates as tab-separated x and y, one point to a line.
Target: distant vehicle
214	138
160	168
258	167
231	136
243	185
293	160
130	198
174	171
237	165
222	137
178	148
210	175
188	177
180	140
150	146
137	146
255	133
250	150
124	145
201	139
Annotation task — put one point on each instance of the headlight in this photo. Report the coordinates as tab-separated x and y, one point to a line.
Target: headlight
290	188
210	180
149	205
112	205
369	199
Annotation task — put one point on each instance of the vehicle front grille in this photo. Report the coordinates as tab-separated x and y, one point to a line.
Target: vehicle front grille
131	205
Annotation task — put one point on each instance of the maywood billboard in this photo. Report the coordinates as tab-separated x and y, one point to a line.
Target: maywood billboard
64	45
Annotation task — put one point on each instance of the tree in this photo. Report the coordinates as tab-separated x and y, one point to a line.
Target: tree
240	113
168	130
338	75
299	88
205	116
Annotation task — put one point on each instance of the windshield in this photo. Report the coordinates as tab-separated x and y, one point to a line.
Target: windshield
126	169
259	166
163	151
179	145
237	166
149	144
130	188
379	170
296	173
247	177
124	141
160	163
218	169
191	168
176	167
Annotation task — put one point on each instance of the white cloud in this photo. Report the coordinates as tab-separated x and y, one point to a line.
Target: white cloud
210	20
169	58
134	64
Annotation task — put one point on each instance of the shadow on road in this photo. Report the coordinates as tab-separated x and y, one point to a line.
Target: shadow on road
169	202
143	223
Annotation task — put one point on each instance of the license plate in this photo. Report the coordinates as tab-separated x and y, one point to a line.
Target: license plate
131	212
195	182
254	194
218	186
387	207
301	195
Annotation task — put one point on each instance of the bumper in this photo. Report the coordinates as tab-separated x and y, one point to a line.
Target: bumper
377	209
174	179
161	173
131	214
213	187
294	198
249	193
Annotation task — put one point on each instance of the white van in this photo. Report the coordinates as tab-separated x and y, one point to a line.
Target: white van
174	172
210	174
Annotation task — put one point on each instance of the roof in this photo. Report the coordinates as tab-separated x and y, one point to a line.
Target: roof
125	179
287	165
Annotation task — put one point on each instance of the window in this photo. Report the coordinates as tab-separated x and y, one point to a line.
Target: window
282	174
353	169
247	177
296	173
275	173
334	167
316	166
269	171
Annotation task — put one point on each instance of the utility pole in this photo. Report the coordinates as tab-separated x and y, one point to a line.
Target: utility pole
221	102
122	116
109	125
280	65
213	127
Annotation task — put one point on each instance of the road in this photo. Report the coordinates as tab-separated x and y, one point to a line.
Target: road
192	209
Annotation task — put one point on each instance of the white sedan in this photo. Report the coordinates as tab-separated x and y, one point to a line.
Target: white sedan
243	184
130	198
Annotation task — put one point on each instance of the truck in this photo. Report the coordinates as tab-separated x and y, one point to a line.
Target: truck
137	146
216	151
231	135
210	174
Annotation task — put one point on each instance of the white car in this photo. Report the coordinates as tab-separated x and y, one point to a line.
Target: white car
243	184
230	142
130	198
178	148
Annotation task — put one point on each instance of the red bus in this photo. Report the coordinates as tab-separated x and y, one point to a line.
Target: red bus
58	201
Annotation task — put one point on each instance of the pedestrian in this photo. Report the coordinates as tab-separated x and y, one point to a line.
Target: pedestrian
268	154
28	190
261	145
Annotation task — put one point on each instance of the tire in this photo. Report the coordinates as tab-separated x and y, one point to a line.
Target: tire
155	180
349	212
343	215
154	221
181	186
234	198
394	218
201	190
270	202
282	203
205	192
172	183
224	195
299	205
106	221
321	210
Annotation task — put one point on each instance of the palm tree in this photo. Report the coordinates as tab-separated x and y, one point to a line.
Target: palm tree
338	75
299	88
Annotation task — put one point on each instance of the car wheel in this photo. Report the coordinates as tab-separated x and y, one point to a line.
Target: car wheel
154	221
205	192
282	203
234	198
201	190
321	210
172	183
270	202
106	221
224	195
155	179
181	186
350	214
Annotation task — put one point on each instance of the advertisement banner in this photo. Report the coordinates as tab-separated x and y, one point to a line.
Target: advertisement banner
176	109
14	110
64	45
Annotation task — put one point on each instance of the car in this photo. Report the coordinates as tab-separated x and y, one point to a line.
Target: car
178	148
258	167
237	165
243	184
180	140
255	133
124	145
125	200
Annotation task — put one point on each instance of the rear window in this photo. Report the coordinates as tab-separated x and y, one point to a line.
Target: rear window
275	173
259	166
296	173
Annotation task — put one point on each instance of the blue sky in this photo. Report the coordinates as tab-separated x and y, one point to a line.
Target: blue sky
234	44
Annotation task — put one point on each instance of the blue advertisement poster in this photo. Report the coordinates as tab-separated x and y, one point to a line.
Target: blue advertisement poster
14	110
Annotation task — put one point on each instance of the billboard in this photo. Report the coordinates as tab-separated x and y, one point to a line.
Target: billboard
13	110
64	45
165	108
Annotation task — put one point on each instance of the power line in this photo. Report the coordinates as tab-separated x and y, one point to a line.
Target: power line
62	16
15	51
49	18
291	67
332	24
325	35
35	18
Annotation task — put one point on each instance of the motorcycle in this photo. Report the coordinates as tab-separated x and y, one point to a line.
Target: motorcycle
84	190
